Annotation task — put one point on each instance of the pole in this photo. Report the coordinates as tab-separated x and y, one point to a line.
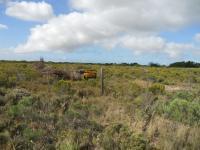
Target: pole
102	82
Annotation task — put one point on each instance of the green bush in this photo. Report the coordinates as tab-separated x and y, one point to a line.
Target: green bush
3	123
16	110
135	90
20	108
12	81
157	88
26	101
118	137
62	86
4	138
138	101
3	79
2	101
183	111
3	91
7	80
14	96
189	96
33	135
75	140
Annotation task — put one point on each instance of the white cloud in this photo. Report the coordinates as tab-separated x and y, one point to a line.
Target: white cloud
176	49
197	37
155	44
67	32
143	44
2	26
30	11
143	14
131	24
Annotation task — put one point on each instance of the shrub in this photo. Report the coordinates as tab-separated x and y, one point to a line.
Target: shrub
86	92
120	137
157	88
3	91
3	124
62	86
185	95
138	101
2	101
75	140
12	81
4	138
183	111
3	79
22	143
16	110
7	80
135	90
83	109
26	101
19	109
14	96
31	134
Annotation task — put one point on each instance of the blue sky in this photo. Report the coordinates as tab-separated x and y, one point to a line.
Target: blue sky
100	31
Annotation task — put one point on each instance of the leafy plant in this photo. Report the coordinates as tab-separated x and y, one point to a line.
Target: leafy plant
183	111
118	136
20	108
62	86
157	88
4	138
31	134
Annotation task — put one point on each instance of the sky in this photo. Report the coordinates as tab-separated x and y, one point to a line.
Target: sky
100	31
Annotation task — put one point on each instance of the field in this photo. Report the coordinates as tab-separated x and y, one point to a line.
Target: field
153	108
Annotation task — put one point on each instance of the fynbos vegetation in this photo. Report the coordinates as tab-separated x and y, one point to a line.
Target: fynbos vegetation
46	106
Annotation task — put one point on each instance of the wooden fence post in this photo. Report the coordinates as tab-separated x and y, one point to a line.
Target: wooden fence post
102	82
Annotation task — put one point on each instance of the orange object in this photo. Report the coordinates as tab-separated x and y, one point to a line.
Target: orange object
90	74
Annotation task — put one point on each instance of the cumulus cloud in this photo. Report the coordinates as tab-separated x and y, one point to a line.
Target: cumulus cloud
143	44
67	32
143	14
2	26
175	49
154	44
197	37
132	24
30	11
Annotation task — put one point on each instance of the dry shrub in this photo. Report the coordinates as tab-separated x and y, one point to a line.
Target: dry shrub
15	95
119	137
157	88
5	140
167	135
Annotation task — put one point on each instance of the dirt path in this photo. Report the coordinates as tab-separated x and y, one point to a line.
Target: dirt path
186	87
168	88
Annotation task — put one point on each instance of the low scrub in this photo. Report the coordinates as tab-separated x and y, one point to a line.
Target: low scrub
157	88
118	137
183	111
62	86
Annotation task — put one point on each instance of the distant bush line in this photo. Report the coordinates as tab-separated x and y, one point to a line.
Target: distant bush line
182	64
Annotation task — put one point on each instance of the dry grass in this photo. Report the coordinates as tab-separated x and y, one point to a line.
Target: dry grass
168	135
77	109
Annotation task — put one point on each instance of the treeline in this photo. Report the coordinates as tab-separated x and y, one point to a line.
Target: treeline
182	64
